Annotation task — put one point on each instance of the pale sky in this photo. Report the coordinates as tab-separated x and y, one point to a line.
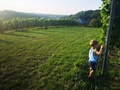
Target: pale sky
64	7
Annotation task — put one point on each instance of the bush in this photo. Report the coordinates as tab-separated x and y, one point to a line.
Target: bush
95	22
1	25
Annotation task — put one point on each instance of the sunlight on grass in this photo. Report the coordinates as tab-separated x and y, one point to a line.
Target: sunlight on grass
46	59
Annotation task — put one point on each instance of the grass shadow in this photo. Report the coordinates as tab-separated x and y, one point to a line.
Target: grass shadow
4	41
20	35
102	82
26	31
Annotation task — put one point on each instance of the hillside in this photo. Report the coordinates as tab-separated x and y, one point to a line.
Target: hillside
52	59
86	15
7	14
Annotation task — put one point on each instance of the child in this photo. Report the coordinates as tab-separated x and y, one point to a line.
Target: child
93	56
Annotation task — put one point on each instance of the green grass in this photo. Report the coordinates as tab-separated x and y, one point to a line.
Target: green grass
53	59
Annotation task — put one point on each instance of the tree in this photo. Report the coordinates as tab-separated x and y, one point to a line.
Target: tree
105	14
8	25
95	23
16	23
1	25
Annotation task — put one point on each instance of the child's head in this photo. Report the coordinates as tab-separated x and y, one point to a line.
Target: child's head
94	43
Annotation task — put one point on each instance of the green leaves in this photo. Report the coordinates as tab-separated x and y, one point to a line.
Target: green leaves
105	14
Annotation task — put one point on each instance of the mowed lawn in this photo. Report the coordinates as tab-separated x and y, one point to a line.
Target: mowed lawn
52	59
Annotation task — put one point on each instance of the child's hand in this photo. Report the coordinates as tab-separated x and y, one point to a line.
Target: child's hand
102	46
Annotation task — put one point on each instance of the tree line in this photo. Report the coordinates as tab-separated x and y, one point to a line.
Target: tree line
9	14
21	23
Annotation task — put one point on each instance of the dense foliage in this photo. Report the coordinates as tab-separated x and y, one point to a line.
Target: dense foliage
88	16
95	23
21	23
105	13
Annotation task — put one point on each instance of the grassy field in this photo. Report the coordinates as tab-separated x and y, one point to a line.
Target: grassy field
53	59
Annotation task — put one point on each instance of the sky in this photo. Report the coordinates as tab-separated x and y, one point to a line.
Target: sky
63	7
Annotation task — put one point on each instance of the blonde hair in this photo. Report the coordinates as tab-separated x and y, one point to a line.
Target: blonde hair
93	42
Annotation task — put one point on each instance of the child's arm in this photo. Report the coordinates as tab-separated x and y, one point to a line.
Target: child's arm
99	52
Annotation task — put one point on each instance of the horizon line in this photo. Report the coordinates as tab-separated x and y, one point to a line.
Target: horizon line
47	13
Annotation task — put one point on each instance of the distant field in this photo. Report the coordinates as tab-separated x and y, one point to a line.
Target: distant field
52	59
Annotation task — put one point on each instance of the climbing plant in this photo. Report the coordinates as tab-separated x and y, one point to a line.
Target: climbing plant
105	14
